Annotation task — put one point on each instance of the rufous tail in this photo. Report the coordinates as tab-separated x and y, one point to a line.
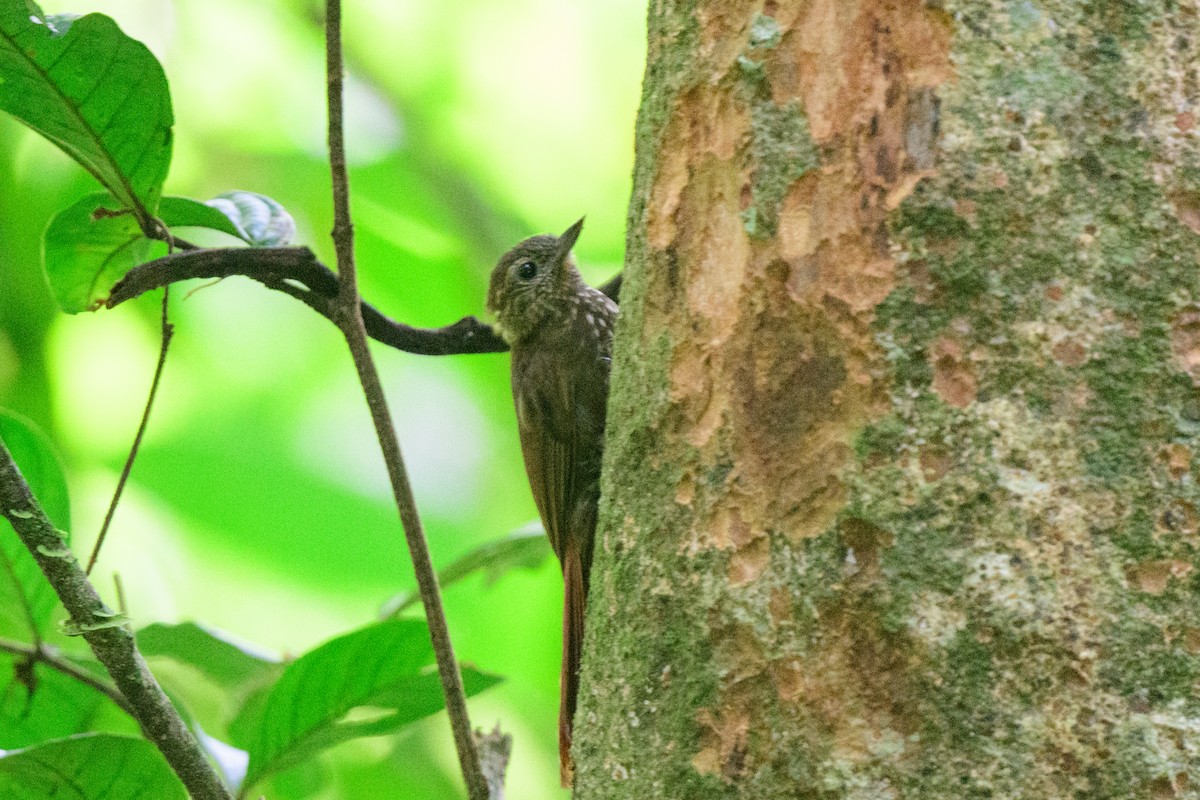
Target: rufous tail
574	603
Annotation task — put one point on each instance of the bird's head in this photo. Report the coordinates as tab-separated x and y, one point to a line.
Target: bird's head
530	281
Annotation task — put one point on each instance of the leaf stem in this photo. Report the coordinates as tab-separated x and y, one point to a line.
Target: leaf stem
168	330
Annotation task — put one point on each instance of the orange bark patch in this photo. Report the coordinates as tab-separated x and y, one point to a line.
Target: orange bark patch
723	29
935	463
857	686
715	246
704	122
686	491
845	59
1180	518
1187	209
1069	352
1178	459
954	377
780	605
788	677
749	563
1153	577
1185	341
723	741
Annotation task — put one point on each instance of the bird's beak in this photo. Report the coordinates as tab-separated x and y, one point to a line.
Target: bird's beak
567	240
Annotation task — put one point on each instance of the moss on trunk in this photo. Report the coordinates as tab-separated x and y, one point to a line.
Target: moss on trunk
898	495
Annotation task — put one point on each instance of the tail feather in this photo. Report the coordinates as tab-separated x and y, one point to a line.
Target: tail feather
574	603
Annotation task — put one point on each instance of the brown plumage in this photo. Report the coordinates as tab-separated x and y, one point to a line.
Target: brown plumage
560	331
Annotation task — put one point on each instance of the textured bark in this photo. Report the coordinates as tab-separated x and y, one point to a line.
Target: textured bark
898	495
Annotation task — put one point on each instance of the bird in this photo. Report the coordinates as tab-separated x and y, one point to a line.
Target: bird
560	332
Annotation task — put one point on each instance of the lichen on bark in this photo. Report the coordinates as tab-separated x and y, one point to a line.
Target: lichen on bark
898	491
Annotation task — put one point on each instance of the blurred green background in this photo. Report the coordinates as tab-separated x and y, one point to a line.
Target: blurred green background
259	504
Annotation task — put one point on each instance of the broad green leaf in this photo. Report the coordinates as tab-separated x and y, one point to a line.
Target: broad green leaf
525	548
262	221
26	600
59	705
384	673
88	248
254	218
208	673
89	767
220	660
97	94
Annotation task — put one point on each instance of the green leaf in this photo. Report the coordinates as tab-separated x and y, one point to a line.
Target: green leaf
218	658
184	212
97	94
261	221
58	706
525	548
88	248
89	767
383	673
26	600
209	673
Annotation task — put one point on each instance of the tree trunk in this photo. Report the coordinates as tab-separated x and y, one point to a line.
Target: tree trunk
898	494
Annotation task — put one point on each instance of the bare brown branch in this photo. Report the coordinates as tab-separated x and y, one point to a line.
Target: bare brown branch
297	272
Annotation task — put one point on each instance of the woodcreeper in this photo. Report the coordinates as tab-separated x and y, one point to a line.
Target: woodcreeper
560	331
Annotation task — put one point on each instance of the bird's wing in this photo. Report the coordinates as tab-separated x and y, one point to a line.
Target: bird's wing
544	401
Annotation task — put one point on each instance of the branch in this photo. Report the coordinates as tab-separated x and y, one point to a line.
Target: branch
168	330
110	640
297	272
49	655
347	315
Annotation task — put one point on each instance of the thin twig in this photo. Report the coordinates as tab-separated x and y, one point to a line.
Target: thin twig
107	635
168	330
348	316
49	655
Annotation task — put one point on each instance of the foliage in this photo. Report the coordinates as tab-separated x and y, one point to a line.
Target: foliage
93	766
201	479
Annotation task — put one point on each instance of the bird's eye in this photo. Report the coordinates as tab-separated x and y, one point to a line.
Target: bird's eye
527	270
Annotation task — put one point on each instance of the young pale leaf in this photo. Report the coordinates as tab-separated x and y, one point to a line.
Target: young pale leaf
89	247
385	671
26	600
525	548
260	220
97	94
89	767
254	218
